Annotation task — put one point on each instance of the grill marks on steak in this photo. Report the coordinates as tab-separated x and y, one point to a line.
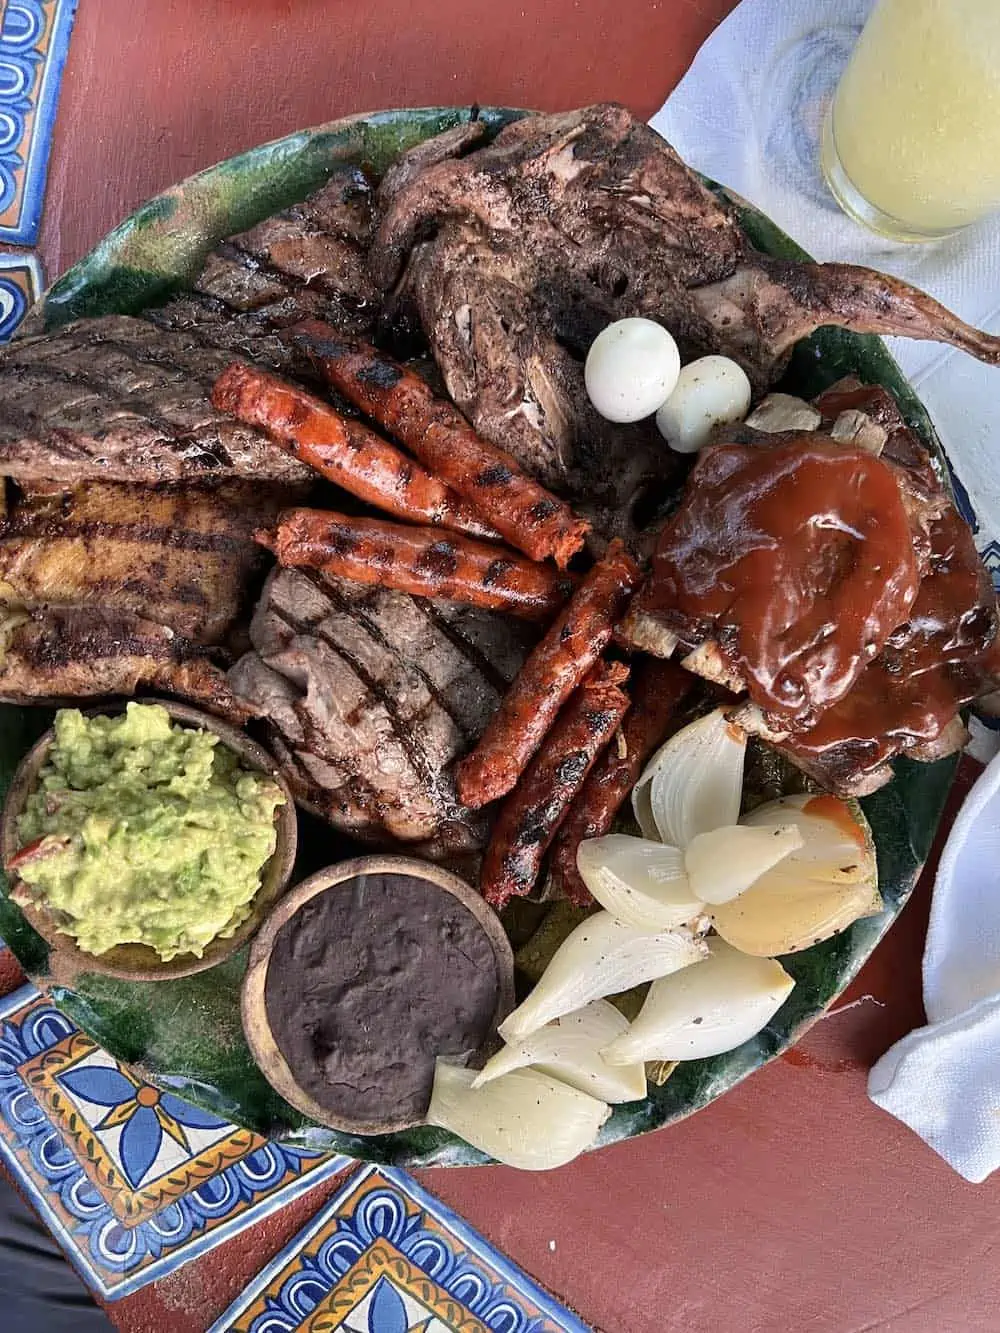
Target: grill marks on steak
92	653
127	399
308	261
371	695
184	558
116	399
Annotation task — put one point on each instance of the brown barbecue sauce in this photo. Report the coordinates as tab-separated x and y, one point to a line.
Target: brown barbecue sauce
797	559
945	655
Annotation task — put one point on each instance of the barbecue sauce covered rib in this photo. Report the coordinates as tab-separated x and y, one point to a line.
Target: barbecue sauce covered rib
522	511
868	697
531	815
796	560
343	451
421	561
555	668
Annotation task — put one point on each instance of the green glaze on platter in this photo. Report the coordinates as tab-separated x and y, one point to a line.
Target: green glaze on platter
186	1033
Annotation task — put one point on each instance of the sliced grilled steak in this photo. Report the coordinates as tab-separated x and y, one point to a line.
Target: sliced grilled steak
307	261
90	653
116	399
184	558
371	696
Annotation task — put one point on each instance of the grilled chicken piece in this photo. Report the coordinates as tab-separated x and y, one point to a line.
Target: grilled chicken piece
370	696
90	653
184	558
515	254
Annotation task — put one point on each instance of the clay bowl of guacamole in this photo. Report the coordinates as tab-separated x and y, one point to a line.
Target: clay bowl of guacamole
147	842
362	976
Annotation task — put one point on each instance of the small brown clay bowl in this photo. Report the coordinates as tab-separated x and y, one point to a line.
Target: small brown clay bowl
256	1023
139	962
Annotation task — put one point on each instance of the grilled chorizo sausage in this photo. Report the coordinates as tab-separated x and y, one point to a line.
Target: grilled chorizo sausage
531	815
553	670
343	451
658	690
423	561
490	479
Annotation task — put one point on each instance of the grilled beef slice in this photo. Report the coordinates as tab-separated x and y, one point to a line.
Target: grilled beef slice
127	399
116	399
370	696
517	252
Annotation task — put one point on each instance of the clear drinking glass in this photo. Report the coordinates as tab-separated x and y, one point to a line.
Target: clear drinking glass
911	144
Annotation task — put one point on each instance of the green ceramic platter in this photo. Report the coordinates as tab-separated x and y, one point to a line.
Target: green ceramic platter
186	1034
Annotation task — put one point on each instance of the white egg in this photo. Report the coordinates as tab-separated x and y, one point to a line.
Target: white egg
712	391
632	367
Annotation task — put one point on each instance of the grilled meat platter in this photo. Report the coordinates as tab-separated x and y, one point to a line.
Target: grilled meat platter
358	489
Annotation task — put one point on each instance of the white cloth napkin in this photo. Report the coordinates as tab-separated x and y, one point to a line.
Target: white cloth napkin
748	114
943	1080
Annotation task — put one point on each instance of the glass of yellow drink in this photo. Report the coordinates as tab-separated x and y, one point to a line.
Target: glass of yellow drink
911	145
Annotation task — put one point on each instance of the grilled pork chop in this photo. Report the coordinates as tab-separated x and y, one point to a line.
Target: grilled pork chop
182	557
516	253
307	261
370	695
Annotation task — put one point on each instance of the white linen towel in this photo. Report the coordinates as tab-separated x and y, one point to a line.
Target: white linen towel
943	1080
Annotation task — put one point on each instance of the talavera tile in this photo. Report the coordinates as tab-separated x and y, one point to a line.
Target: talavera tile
34	40
385	1256
132	1180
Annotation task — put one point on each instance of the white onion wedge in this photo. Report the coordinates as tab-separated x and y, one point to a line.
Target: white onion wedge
693	783
639	881
524	1119
568	1049
780	915
712	1007
600	957
836	841
723	864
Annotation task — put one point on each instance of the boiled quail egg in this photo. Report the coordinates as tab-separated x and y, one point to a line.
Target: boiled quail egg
712	391
631	368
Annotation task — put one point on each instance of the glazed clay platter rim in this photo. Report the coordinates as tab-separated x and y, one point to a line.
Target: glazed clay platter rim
253	1003
143	261
140	962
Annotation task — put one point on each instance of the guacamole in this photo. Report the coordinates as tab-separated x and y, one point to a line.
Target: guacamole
149	832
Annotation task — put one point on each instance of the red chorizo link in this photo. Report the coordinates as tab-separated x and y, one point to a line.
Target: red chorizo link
423	561
344	451
531	815
551	673
658	690
523	512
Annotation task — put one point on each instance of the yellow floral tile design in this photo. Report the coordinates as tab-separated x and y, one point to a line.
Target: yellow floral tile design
140	1147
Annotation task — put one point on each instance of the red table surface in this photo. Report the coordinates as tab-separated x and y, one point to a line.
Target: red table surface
792	1204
